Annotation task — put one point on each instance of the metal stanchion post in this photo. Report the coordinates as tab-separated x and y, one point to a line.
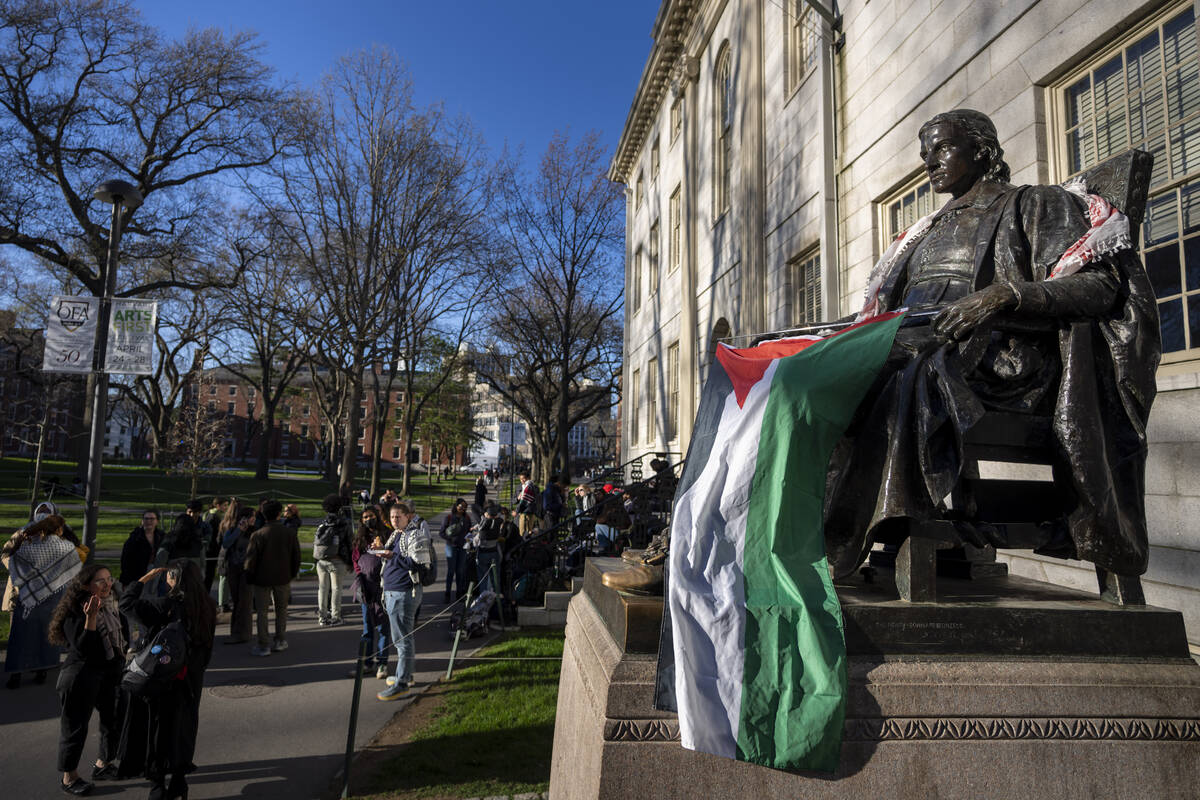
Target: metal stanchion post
458	633
363	645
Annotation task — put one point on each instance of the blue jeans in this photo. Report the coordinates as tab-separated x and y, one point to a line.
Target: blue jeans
484	559
376	633
402	613
456	570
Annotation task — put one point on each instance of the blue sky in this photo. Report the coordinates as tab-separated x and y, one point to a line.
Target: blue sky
521	69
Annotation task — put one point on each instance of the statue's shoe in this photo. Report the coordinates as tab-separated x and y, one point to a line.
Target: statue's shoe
641	579
632	556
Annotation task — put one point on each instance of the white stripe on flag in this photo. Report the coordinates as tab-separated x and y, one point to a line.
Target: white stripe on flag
707	593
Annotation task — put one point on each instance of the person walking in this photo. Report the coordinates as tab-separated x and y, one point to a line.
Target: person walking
85	621
455	528
406	553
163	748
272	563
331	551
241	595
41	559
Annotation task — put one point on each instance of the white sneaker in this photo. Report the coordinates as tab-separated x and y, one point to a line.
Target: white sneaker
259	650
279	646
381	673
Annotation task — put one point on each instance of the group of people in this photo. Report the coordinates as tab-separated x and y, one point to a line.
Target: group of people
390	553
60	604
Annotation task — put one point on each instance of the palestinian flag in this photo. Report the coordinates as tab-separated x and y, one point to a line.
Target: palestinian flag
756	628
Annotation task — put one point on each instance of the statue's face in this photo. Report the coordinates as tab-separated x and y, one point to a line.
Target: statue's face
950	159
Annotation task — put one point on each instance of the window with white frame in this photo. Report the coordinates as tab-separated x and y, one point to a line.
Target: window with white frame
634	409
675	243
676	117
905	207
805	274
803	42
672	431
723	130
1145	93
651	400
635	282
639	191
652	264
654	157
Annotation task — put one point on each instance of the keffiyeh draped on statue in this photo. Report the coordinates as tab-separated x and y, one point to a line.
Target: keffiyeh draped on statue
759	655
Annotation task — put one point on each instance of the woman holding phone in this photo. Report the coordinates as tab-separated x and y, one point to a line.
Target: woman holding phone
86	622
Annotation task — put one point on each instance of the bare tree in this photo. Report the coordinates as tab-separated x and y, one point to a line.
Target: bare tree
89	93
555	355
383	205
260	339
182	343
198	444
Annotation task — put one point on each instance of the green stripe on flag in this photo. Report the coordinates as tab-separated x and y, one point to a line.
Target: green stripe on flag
794	683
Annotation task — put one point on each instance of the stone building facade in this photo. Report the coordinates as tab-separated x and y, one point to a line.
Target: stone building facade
769	156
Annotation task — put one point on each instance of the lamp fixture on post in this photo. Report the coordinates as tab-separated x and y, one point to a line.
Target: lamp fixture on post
119	194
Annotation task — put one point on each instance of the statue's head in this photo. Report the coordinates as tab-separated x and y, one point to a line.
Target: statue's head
973	151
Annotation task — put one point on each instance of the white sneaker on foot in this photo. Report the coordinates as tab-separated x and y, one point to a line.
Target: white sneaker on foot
279	646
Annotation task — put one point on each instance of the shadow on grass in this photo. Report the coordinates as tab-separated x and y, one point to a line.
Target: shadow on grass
486	763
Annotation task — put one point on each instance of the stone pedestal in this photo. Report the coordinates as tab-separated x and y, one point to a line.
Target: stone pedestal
1020	714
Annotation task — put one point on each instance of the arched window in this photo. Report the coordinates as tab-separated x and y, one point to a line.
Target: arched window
723	141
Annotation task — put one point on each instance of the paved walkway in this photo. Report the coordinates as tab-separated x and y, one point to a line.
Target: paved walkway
269	727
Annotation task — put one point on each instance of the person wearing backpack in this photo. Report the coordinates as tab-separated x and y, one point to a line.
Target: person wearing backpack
86	622
486	538
406	555
159	739
331	551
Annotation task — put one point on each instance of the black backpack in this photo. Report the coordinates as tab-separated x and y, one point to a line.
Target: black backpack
429	575
332	540
158	664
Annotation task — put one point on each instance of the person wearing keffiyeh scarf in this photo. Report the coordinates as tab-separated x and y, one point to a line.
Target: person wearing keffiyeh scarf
41	559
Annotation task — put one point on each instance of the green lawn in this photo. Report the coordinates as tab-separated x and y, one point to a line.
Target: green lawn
490	733
127	489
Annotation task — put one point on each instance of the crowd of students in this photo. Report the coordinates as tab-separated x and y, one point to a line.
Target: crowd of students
247	556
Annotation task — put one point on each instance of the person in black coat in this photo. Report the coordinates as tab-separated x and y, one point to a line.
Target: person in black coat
87	623
480	493
137	554
159	738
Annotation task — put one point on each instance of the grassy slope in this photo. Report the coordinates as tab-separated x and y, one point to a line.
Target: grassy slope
491	733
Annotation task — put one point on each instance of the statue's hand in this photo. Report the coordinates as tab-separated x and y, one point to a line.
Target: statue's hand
959	319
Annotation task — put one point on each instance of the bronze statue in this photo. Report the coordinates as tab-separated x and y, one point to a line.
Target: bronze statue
1017	333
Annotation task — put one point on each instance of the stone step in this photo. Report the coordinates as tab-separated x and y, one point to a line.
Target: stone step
532	617
557	601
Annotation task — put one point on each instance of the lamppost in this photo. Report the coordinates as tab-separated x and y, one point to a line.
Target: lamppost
118	193
601	438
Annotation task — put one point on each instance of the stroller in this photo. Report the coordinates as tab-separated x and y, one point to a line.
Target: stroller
474	620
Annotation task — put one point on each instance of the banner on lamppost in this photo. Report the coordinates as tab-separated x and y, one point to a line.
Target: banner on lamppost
509	432
71	334
131	328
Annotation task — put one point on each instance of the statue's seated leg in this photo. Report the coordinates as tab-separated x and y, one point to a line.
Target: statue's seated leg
1121	590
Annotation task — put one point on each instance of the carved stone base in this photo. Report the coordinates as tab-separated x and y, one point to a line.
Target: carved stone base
917	727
